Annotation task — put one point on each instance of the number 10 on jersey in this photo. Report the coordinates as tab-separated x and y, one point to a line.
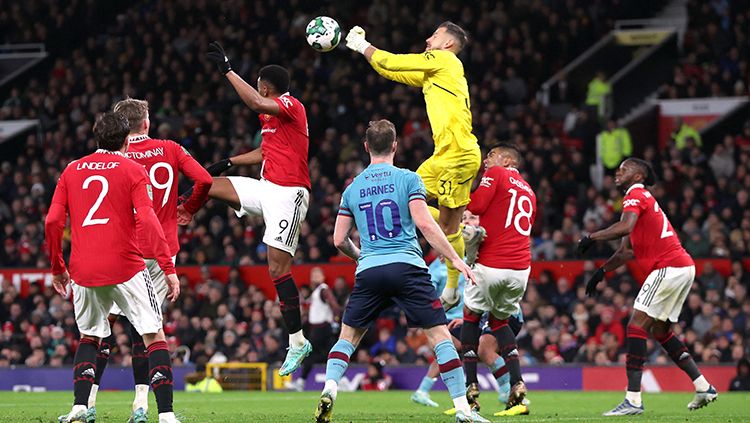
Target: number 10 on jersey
376	227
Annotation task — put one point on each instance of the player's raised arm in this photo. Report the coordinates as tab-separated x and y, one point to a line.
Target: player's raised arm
435	236
249	95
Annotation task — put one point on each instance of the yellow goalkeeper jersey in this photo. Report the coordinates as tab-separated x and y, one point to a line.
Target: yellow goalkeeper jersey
446	94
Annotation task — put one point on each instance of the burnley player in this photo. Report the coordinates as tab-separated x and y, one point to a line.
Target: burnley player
648	236
163	160
282	193
449	173
506	206
387	205
106	196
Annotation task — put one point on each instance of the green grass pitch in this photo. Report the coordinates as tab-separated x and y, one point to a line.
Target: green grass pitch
393	406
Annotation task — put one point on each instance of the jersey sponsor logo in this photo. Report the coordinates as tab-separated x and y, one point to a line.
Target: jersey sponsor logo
154	152
378	175
486	181
97	165
520	184
632	202
377	190
268	131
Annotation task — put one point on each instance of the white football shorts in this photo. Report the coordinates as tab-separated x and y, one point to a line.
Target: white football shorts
283	209
159	280
664	292
498	291
135	297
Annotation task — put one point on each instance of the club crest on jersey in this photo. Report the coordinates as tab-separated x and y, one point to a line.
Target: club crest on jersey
265	117
632	202
486	181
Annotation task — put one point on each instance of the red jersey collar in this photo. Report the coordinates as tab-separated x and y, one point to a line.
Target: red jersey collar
103	151
138	138
634	186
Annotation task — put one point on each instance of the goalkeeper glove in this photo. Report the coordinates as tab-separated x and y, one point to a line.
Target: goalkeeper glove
583	245
219	167
595	279
217	55
355	40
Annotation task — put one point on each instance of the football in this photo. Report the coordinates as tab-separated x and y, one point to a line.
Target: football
323	33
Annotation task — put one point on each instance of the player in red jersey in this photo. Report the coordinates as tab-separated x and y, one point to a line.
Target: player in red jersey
648	236
107	196
506	206
282	193
163	160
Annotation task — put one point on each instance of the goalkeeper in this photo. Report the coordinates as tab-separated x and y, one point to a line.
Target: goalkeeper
449	173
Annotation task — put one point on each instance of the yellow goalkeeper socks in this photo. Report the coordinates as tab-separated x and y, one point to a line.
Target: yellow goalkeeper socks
457	242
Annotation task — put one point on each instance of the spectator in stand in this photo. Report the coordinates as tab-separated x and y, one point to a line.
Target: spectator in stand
598	91
741	382
684	133
613	145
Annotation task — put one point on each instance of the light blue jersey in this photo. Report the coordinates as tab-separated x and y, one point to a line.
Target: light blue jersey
439	277
378	199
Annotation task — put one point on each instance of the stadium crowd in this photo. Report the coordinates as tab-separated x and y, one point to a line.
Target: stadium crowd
156	51
715	61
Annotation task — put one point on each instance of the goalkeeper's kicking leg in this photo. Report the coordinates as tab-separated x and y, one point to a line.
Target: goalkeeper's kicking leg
449	220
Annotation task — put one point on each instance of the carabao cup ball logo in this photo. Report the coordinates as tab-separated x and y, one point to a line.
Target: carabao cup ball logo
323	34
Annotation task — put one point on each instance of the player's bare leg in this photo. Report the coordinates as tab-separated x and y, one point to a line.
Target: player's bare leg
279	268
451	372
449	220
705	393
223	190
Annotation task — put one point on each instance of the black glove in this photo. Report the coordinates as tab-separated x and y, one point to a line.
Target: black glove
595	279
216	54
219	167
583	245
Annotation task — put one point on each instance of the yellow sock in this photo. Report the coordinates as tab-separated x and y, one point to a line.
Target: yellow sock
457	242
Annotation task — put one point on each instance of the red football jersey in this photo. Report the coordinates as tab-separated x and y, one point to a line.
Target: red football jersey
100	192
655	243
163	161
506	206
285	144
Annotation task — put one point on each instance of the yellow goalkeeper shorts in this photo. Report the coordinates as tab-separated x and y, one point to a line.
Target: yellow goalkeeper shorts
448	177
